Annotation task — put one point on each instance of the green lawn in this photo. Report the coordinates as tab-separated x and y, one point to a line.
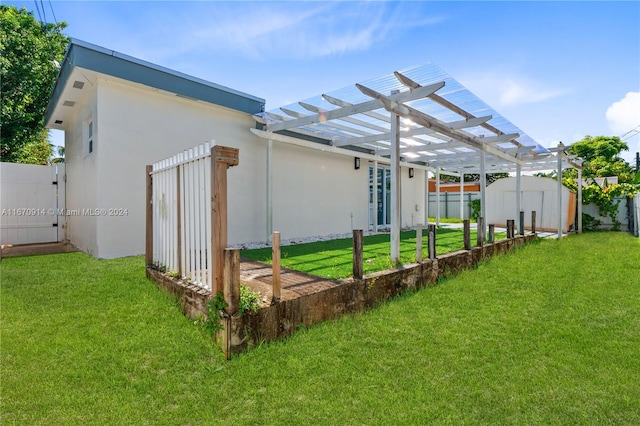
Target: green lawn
549	334
334	259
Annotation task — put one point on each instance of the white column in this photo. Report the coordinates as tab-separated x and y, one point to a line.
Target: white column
483	185
579	201
426	198
461	195
374	182
518	195
269	190
395	188
437	196
560	215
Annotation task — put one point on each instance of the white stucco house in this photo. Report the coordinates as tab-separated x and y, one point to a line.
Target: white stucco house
120	113
356	158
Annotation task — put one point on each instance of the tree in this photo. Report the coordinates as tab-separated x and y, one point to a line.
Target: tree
30	52
602	157
475	177
58	155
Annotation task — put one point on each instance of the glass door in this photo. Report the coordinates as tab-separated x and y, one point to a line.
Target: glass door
383	192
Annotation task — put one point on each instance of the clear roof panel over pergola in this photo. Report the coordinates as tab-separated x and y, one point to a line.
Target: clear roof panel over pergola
442	126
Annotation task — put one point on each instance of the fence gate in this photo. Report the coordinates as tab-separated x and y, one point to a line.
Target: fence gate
32	202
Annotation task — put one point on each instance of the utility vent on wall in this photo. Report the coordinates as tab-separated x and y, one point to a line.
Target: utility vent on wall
78	84
68	103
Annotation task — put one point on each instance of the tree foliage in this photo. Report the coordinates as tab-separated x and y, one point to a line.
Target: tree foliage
475	177
602	159
29	54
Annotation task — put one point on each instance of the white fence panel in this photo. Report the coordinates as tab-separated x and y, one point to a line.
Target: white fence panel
181	202
636	202
32	203
450	204
605	221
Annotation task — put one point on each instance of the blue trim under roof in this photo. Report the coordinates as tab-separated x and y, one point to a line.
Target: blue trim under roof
86	55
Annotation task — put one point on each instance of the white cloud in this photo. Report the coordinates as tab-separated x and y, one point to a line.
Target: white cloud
299	30
500	90
624	115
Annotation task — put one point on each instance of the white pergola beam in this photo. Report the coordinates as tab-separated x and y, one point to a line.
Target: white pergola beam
328	127
355	109
339	102
277	137
349	119
452	107
432	123
386	135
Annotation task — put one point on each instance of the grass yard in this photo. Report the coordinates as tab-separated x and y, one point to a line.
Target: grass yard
334	259
549	334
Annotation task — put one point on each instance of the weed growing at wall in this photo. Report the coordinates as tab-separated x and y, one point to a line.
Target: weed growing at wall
249	300
215	305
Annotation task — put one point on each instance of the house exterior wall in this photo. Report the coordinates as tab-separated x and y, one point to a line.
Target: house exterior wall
412	198
135	126
317	193
314	192
82	175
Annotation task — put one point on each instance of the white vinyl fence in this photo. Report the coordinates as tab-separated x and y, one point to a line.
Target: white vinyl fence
450	204
32	201
181	200
636	209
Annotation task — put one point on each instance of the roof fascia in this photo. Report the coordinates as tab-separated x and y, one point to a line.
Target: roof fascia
85	55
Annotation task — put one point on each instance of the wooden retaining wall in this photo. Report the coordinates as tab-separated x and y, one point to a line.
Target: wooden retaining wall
282	319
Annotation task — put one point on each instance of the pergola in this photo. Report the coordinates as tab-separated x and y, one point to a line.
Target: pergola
419	118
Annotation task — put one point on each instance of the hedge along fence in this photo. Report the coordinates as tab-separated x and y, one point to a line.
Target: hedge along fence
187	214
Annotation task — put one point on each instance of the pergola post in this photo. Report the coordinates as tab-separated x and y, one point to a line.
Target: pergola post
559	170
483	184
269	200
426	197
395	188
437	196
461	195
374	182
222	158
580	201
519	196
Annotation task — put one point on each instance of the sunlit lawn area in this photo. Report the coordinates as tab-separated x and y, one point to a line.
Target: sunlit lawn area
334	258
549	334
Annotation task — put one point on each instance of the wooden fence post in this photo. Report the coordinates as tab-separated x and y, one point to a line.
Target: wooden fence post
467	234
533	222
521	226
275	264
358	271
480	229
148	251
231	274
492	233
431	242
419	243
222	158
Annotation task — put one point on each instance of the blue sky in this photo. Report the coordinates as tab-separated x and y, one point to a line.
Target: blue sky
557	70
